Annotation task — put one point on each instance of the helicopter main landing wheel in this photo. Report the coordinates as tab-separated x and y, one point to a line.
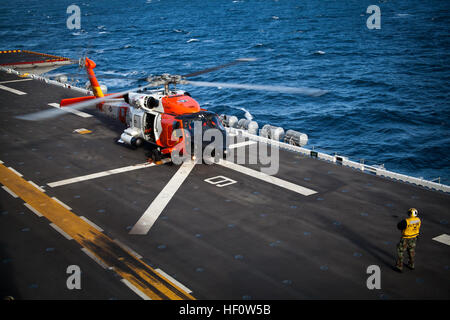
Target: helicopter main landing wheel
156	156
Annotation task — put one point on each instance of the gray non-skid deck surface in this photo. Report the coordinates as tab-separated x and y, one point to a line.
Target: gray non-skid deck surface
247	240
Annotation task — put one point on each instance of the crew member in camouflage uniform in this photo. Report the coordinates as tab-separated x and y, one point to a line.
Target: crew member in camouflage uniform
410	232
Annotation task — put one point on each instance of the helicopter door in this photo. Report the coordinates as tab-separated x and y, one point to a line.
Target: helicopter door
149	133
157	128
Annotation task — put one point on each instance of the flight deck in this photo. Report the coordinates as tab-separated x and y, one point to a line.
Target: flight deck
73	196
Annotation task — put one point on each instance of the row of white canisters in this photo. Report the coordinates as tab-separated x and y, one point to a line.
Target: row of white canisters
275	133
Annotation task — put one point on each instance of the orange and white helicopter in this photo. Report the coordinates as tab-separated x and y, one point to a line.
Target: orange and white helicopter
153	115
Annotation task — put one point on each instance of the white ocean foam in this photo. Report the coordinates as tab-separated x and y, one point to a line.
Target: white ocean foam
192	40
115	83
248	115
117	73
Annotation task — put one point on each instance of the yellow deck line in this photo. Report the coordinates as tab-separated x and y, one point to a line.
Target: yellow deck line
136	272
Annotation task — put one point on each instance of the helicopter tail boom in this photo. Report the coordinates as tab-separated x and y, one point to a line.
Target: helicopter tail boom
90	65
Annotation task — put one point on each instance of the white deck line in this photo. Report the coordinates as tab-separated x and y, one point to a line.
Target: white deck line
91	223
9	81
68	109
36	186
173	280
135	290
33	210
18	92
99	174
125	247
267	178
15	171
152	213
93	257
10	191
62	203
443	238
62	232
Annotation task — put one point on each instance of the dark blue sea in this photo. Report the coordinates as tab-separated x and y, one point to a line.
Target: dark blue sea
388	100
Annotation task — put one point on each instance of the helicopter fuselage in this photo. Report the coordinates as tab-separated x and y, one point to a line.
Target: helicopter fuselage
152	116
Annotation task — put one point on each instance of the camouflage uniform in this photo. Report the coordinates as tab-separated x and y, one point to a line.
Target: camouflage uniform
410	232
406	244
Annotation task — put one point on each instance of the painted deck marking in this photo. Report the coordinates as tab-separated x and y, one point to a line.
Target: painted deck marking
9	81
35	185
82	131
33	210
15	171
152	213
10	192
134	253
62	203
220	181
267	178
135	290
91	223
173	280
143	277
69	109
93	257
100	174
443	238
18	92
58	229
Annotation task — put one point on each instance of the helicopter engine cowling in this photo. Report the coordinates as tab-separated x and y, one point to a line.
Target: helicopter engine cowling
139	100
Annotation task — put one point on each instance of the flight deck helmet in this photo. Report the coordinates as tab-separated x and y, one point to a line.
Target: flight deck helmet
412	212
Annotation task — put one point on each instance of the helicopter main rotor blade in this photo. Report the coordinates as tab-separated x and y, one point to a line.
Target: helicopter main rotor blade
99	75
193	74
229	64
300	90
52	113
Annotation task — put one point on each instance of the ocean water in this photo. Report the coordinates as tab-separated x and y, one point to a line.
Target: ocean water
388	100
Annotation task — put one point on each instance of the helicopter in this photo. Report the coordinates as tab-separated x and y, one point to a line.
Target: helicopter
164	117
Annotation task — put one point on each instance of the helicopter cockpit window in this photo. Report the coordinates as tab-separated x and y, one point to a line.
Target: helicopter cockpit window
214	122
205	121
